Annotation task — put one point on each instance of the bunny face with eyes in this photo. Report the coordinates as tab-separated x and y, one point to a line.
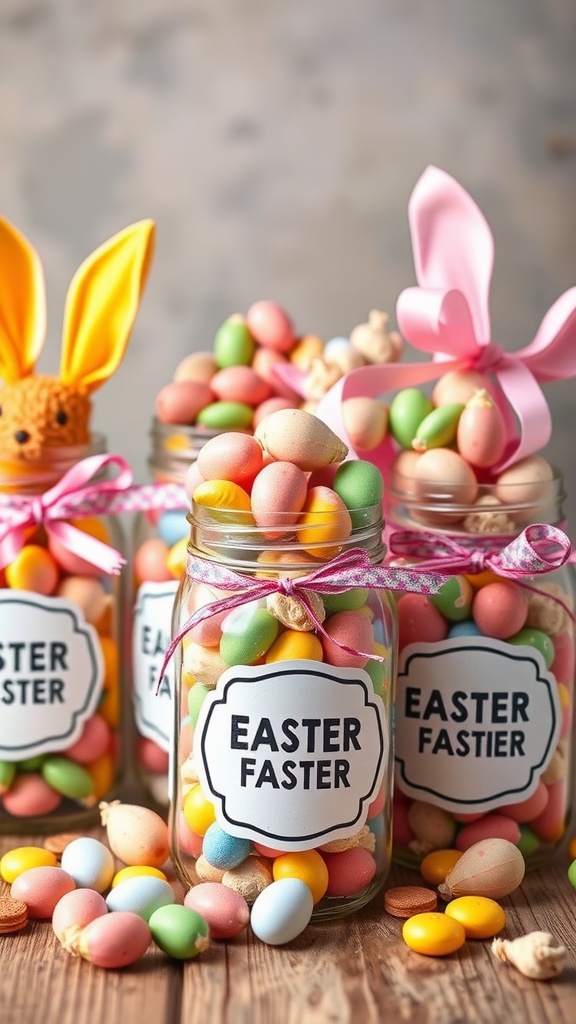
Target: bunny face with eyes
40	412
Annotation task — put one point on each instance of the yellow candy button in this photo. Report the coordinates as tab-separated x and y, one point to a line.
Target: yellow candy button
433	934
480	916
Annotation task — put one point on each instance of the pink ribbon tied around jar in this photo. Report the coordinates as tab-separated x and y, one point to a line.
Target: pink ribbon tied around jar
349	569
447	315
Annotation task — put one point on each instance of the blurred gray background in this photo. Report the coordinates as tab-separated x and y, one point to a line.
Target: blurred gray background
276	143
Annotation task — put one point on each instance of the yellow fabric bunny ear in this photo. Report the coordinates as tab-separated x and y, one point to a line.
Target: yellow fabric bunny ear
22	304
101	306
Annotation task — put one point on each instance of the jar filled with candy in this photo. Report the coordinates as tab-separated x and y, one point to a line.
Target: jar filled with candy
60	552
285	641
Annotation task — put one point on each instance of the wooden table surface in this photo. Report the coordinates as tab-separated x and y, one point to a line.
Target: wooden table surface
356	969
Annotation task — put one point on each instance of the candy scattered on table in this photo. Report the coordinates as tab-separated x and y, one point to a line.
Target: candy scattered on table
493	868
407	900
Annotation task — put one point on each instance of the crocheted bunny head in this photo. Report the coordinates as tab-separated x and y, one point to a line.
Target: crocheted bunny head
40	412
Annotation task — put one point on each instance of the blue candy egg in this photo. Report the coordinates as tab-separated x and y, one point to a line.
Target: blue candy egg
281	911
172	527
140	895
467	628
224	851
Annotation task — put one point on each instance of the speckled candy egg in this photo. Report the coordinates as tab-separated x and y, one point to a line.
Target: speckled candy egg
442	476
278	495
226	911
240	384
481	433
352	629
181	401
271	326
89	862
500	609
41	888
75	910
419	621
232	456
528	481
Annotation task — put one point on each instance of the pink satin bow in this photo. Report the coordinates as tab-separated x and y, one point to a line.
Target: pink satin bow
349	569
72	497
447	314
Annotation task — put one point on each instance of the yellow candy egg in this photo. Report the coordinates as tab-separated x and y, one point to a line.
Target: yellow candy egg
308	865
135	871
222	494
480	916
435	866
324	518
433	934
198	811
177	557
294	644
22	858
33	569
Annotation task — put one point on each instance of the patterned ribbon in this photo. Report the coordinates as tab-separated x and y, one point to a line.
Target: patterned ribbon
352	568
76	496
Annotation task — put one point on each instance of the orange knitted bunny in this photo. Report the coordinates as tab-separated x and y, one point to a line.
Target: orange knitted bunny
39	412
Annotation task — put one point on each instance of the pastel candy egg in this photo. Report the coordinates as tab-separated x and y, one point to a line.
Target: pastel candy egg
41	888
72	563
240	384
199	366
89	862
232	456
199	812
7	774
136	871
407	410
271	326
181	401
360	486
226	911
281	911
443	477
33	569
402	472
491	826
458	386
352	629
179	931
247	633
433	934
528	481
22	858
350	871
223	495
151	561
30	796
269	406
265	363
223	850
75	910
136	835
140	895
481	434
113	940
307	865
151	756
454	599
324	520
293	435
67	777
535	638
550	825
366	422
233	344
466	628
438	428
349	600
93	741
293	644
278	495
86	592
172	527
500	609
192	478
208	631
532	807
226	416
419	621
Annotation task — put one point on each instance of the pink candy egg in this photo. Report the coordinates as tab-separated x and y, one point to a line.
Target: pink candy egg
278	495
86	592
500	609
481	433
419	621
151	561
93	741
264	364
231	456
41	889
240	384
114	940
353	629
269	406
151	756
442	476
30	796
563	665
75	910
198	366
349	872
271	326
225	910
459	386
207	632
527	481
192	479
181	401
550	825
530	808
492	826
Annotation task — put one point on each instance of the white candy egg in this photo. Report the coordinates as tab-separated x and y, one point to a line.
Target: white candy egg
142	895
89	862
281	911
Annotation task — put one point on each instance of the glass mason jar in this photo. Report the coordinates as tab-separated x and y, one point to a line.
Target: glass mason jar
160	542
60	694
484	705
282	753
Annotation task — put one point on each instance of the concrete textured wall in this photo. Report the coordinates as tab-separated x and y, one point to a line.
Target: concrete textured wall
276	143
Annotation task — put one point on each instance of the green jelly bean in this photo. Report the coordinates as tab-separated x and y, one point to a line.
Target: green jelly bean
350	601
233	344
32	764
572	873
196	697
248	636
377	672
407	410
226	416
360	486
7	774
438	428
528	842
529	637
454	599
67	777
179	931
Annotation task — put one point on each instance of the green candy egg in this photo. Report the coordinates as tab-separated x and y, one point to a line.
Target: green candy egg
377	672
233	343
350	601
407	410
528	842
529	637
226	416
454	599
246	635
360	486
67	777
196	697
7	773
179	931
438	428
572	873
31	764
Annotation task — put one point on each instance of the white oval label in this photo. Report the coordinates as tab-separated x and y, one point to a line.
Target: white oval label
150	639
477	721
292	753
51	674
